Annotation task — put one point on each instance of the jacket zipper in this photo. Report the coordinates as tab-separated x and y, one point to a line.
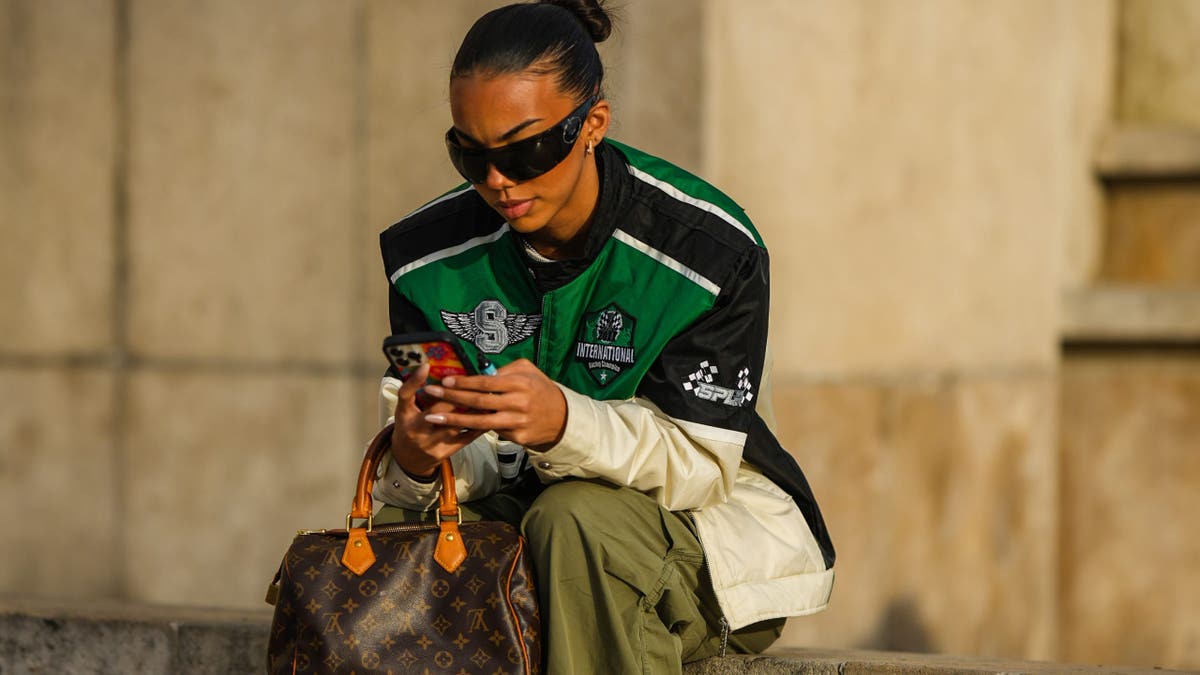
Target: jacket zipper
542	330
704	567
379	529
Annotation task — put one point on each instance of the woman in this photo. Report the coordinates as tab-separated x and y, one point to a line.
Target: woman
625	302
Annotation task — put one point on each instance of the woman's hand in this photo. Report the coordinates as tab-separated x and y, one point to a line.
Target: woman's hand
519	402
418	446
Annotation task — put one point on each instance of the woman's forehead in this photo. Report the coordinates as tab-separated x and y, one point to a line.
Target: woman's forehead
486	102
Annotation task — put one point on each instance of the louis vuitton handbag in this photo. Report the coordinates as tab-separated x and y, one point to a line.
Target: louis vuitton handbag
450	597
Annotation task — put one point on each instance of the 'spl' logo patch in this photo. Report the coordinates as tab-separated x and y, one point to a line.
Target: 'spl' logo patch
700	384
605	343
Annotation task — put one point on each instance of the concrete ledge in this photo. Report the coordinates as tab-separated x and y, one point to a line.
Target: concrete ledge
114	639
1132	314
1133	153
854	662
48	637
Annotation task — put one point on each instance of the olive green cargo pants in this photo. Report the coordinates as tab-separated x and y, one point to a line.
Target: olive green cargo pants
621	580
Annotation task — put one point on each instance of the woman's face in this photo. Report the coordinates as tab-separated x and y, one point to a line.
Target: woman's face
494	111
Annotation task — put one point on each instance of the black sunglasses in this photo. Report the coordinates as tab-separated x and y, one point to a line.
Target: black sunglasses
525	159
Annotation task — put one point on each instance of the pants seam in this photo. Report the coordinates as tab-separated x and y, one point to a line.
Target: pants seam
642	639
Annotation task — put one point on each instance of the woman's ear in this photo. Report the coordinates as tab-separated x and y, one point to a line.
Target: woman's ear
596	125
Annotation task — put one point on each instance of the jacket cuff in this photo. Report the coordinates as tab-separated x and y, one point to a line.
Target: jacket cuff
578	438
431	478
399	488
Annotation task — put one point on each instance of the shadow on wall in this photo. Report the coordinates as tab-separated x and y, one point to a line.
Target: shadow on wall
900	630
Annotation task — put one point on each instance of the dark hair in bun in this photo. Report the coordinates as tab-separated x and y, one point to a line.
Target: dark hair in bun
589	12
552	36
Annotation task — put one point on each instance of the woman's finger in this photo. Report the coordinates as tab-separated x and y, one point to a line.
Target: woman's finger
475	421
408	390
485	383
466	436
468	399
438	406
441	436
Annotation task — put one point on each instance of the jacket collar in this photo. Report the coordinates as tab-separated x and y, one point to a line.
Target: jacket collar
616	188
616	185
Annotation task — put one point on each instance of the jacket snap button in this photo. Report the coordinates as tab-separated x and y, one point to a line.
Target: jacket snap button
544	465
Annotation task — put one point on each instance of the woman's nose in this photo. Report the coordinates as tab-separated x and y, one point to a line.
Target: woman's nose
496	180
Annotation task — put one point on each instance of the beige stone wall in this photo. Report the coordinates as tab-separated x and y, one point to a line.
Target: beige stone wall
940	494
911	165
191	192
1130	403
56	141
1153	234
59	465
191	196
1130	466
1158	82
241	168
1153	227
925	161
238	417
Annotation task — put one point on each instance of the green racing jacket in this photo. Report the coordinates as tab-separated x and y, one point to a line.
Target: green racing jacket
657	337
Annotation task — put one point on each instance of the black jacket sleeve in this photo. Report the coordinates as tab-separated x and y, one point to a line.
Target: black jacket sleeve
710	372
404	318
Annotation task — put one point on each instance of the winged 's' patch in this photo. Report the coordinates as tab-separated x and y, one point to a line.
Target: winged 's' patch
491	327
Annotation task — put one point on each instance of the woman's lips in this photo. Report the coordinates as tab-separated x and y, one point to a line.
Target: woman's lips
514	209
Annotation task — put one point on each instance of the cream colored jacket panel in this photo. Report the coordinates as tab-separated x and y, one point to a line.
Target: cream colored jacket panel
762	557
632	443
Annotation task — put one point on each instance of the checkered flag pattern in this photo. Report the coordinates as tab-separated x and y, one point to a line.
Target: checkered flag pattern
705	373
743	382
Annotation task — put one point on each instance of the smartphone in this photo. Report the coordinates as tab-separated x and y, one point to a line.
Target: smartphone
440	350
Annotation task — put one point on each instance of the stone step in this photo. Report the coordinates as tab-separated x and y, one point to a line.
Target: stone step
116	638
1131	314
1151	233
1149	152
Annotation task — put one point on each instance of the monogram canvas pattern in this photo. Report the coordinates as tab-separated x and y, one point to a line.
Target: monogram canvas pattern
406	614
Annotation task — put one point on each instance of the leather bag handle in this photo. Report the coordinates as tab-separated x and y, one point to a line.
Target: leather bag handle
358	557
376	451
